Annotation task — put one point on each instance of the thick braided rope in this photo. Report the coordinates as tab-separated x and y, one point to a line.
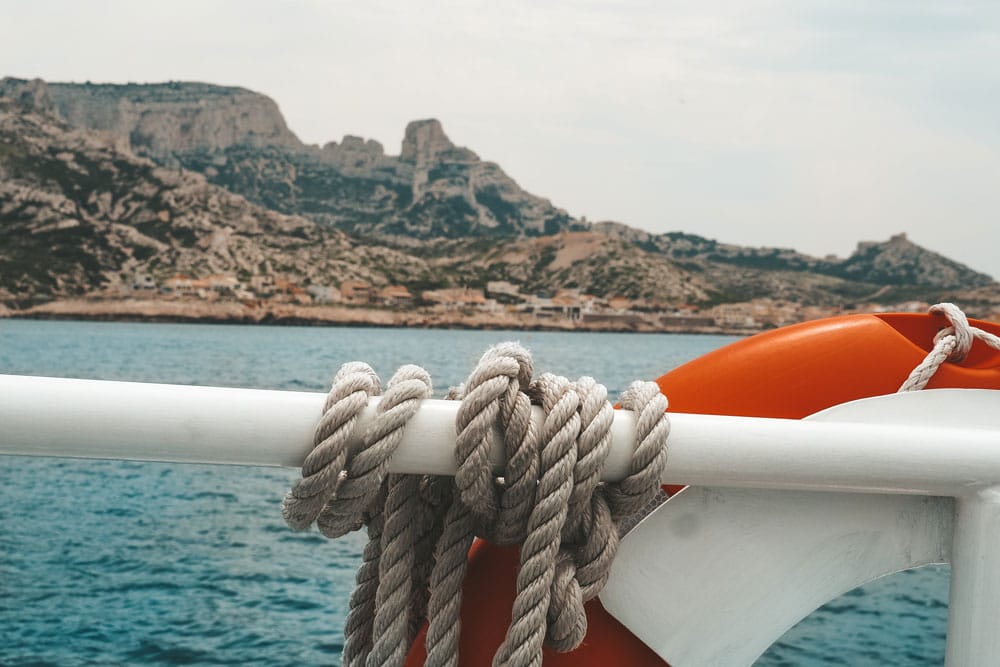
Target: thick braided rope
353	493
588	534
492	387
593	557
391	630
444	608
584	561
421	528
435	498
396	503
520	442
951	343
593	444
353	385
360	622
630	495
526	634
494	394
366	471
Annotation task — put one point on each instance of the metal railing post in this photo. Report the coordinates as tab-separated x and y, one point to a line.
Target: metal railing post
974	604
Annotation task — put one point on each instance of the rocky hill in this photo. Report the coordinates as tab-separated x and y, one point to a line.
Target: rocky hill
897	263
99	183
239	140
79	215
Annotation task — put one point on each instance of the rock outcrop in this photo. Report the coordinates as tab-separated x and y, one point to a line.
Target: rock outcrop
899	261
78	216
238	139
169	119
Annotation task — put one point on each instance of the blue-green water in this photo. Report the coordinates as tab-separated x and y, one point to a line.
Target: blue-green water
118	563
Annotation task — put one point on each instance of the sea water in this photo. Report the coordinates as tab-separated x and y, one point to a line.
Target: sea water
122	563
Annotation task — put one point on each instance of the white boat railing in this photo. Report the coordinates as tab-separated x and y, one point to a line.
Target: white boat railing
943	443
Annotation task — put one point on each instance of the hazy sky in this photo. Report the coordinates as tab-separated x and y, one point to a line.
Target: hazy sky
801	124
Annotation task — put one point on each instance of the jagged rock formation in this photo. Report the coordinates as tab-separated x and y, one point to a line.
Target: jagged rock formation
239	140
78	215
433	189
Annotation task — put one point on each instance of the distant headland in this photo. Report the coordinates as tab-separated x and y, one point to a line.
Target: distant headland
189	201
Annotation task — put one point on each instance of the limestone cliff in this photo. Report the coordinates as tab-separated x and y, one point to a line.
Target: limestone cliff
239	140
78	215
433	189
167	119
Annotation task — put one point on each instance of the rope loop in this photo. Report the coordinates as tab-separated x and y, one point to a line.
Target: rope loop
322	469
952	343
959	329
362	479
549	499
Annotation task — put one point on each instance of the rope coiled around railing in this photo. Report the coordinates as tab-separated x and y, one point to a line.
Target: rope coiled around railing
951	343
549	499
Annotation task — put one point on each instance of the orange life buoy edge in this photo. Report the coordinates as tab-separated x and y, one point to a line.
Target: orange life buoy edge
786	373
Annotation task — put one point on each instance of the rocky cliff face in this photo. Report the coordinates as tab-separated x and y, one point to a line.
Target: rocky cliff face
169	119
239	140
433	189
78	215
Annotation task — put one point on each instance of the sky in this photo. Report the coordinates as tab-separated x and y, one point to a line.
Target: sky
791	123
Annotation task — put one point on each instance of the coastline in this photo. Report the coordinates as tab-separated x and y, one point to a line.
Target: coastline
234	312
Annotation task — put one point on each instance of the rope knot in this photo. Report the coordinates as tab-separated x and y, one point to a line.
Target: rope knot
324	467
959	329
493	396
952	343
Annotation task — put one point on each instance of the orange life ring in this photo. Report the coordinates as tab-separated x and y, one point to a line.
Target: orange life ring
786	373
